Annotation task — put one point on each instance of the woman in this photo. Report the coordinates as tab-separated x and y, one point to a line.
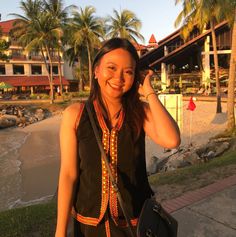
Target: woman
122	120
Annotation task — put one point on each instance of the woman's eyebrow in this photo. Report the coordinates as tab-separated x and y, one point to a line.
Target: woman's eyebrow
131	67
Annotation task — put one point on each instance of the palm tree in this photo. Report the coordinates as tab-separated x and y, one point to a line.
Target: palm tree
36	30
60	15
77	58
200	13
4	45
124	24
232	74
87	30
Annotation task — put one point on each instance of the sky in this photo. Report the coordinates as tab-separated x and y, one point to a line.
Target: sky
157	16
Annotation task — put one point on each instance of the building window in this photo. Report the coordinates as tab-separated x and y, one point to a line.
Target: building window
2	70
36	69
54	70
18	69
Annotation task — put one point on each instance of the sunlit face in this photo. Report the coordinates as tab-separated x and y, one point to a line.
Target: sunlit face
115	73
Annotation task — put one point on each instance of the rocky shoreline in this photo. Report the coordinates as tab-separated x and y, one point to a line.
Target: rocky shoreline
21	116
190	155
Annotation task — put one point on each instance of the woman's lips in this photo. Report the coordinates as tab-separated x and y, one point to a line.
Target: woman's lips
115	86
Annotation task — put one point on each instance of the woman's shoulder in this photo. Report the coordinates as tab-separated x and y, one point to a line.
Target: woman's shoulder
72	114
73	108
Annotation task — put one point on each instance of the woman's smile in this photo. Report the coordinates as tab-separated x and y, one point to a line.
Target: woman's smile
115	73
115	86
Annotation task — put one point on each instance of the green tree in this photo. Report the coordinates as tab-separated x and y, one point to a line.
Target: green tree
200	13
37	30
229	10
124	24
77	58
86	30
59	13
4	45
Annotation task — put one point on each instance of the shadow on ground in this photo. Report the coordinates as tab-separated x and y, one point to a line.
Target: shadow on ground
219	118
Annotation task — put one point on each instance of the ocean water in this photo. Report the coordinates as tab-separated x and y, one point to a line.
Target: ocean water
10	172
29	167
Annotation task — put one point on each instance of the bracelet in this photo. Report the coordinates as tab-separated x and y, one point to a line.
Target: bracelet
151	93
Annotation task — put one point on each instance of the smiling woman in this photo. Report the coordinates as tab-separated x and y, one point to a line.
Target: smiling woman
115	72
122	121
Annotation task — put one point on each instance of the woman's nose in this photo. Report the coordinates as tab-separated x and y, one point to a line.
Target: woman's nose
119	75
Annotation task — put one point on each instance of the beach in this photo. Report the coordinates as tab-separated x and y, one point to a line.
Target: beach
29	163
30	156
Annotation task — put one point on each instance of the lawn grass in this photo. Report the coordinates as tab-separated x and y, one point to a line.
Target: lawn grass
40	220
32	221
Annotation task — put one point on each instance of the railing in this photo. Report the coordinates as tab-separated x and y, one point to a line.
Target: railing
18	57
36	58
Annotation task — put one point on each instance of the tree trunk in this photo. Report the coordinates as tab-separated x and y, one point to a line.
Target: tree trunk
89	65
213	34
50	77
60	72
80	84
231	82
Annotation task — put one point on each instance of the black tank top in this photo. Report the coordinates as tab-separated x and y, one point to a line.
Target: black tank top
94	191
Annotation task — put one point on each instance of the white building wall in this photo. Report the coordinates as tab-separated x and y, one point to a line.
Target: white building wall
68	71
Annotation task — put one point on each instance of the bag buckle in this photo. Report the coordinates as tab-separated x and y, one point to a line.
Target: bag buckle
157	208
149	233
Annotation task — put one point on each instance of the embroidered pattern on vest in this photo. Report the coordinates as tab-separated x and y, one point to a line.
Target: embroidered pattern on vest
109	140
108	229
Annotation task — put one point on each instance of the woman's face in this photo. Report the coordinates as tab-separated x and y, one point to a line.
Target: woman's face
115	73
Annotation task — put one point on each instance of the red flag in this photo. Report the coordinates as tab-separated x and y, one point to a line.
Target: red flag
191	105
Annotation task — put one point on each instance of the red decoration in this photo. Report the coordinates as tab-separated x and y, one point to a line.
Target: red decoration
191	105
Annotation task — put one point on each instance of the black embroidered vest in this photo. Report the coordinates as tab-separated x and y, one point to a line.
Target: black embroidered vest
94	191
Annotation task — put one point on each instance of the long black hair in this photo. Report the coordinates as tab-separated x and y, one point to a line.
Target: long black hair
133	107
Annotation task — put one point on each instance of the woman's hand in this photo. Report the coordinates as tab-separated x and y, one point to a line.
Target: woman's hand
146	87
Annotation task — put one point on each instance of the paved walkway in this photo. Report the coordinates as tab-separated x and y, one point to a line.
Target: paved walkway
207	212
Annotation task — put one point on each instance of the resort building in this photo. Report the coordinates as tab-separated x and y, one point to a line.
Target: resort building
186	65
189	64
26	71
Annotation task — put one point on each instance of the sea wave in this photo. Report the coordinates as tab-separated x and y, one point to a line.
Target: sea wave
11	141
20	203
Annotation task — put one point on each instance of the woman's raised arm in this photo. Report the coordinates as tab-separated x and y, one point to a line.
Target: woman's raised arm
159	125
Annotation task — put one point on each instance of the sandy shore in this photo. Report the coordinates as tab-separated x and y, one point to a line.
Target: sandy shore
29	163
39	154
40	159
197	127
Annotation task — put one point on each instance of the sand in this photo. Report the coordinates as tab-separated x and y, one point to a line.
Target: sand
40	156
29	163
197	128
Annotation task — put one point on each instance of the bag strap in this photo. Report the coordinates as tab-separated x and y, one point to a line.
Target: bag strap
104	157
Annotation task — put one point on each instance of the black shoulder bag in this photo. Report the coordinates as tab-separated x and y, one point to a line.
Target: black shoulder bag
153	221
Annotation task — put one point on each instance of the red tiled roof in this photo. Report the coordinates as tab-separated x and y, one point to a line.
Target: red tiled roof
31	80
138	46
6	26
152	40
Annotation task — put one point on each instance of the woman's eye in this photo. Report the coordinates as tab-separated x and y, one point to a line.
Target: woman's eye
111	68
129	72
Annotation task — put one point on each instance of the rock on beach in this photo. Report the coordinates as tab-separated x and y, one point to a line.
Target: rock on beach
197	129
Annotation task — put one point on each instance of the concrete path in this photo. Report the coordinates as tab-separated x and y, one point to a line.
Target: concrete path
206	212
